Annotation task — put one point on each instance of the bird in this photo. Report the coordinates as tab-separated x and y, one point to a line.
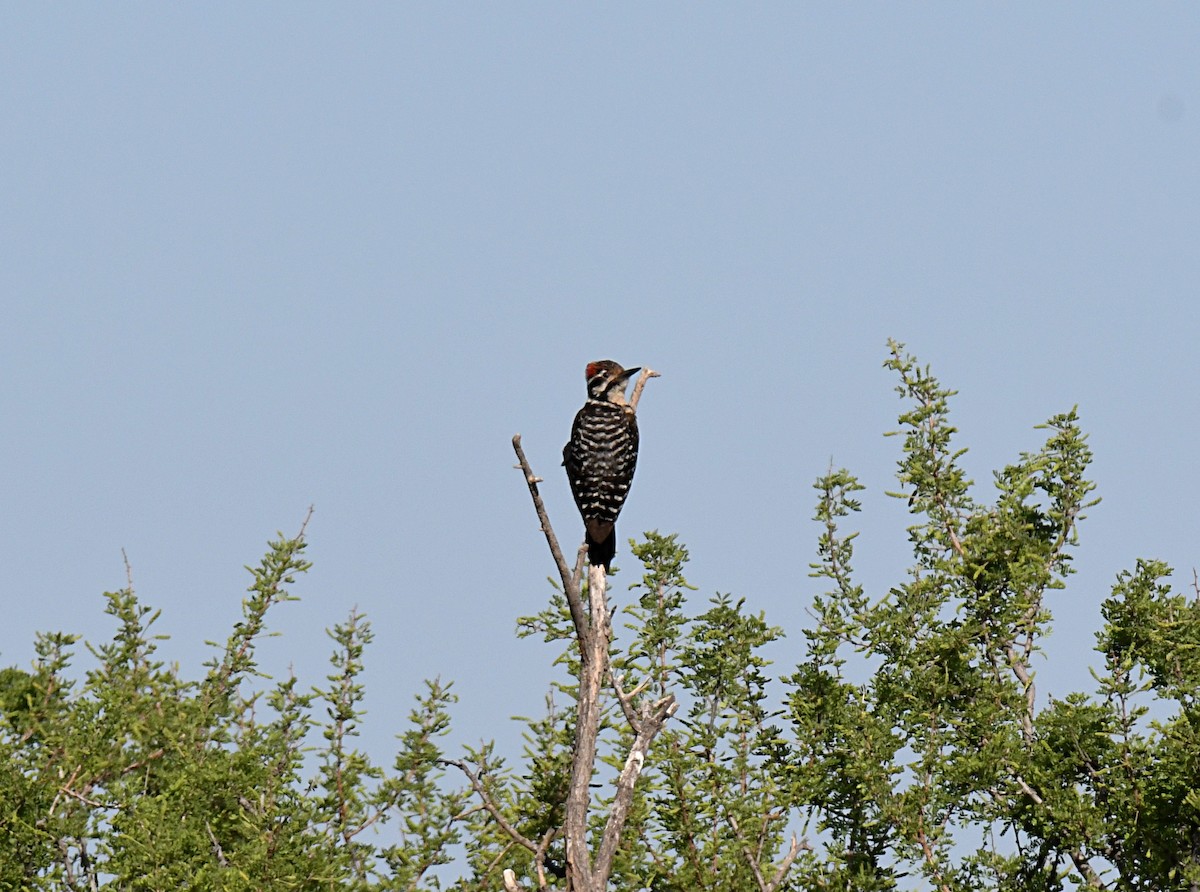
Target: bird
601	457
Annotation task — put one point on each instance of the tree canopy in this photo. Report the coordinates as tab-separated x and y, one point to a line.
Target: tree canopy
906	748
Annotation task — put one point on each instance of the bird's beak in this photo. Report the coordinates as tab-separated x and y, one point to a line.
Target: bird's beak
629	373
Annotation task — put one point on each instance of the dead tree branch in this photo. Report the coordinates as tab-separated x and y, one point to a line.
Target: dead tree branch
490	804
776	881
593	659
593	631
645	376
570	580
646	725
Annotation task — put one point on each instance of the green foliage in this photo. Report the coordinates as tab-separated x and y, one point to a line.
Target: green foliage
908	743
139	779
920	749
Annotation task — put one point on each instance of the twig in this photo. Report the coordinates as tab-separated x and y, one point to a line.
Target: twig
495	862
63	789
797	846
142	763
785	865
570	582
646	375
86	801
307	518
539	857
1077	857
626	700
463	815
1028	790
128	571
216	846
750	859
488	803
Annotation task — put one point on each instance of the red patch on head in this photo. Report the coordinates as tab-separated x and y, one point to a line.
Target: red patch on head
593	368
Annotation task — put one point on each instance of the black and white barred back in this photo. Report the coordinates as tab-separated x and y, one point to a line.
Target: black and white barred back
601	457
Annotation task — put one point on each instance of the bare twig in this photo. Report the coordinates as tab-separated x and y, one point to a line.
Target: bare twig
539	857
488	803
1077	857
216	846
495	862
142	763
773	884
64	788
626	700
570	581
1028	790
94	803
463	815
750	858
510	881
797	846
646	375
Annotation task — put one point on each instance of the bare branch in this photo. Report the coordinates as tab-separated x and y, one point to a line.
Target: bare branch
626	700
1077	857
495	862
539	857
785	865
570	582
94	803
510	881
580	560
750	859
797	846
593	662
646	375
930	857
463	815
488	803
216	846
1021	671
646	725
64	788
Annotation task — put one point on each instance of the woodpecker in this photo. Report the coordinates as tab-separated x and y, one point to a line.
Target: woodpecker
601	456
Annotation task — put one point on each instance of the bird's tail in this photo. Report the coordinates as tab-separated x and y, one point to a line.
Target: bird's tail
602	551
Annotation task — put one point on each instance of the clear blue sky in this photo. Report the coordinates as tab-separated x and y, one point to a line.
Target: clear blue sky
261	257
